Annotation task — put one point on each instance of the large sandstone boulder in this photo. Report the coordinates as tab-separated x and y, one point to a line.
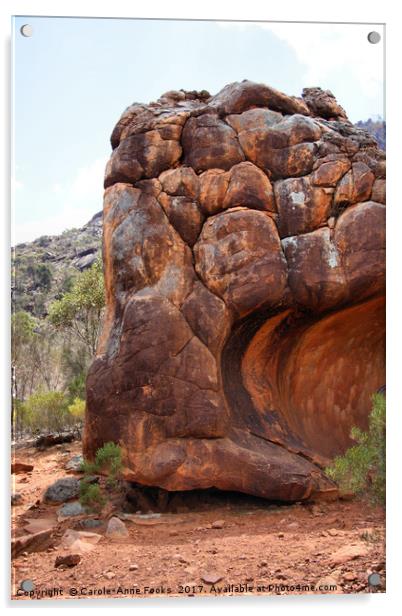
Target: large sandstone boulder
244	265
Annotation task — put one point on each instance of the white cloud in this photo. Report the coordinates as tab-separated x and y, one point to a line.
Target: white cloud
330	53
89	179
324	48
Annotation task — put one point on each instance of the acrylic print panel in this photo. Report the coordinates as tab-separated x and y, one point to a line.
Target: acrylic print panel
198	368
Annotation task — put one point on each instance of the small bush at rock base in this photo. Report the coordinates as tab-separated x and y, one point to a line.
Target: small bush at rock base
362	468
108	458
91	496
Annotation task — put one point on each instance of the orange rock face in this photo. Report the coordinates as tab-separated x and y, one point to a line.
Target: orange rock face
244	241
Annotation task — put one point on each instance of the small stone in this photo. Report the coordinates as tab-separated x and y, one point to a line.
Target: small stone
180	558
67	560
349	552
133	567
350	576
62	490
90	523
347	496
74	464
16	499
218	524
211	577
333	532
21	467
116	528
109	575
69	510
281	535
92	479
293	525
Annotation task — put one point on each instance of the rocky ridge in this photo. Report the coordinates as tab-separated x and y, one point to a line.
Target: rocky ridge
43	269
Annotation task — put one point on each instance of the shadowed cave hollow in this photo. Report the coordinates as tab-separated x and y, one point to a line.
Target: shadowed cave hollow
244	259
305	380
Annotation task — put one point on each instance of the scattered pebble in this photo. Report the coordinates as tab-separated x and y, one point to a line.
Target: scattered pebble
350	576
67	560
211	577
116	528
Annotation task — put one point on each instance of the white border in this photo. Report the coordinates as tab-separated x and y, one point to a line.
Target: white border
368	11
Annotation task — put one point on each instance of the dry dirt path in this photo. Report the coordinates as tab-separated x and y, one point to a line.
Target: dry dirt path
237	546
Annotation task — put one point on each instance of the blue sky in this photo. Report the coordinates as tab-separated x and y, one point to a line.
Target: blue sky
74	77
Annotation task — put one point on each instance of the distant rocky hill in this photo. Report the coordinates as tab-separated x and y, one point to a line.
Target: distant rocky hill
44	269
376	128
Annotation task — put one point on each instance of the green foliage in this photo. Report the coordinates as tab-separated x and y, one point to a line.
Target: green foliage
46	411
23	330
80	309
20	417
41	275
362	468
76	387
89	468
77	409
91	496
108	458
46	357
67	283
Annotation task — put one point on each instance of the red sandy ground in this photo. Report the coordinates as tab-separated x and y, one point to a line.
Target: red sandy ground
261	549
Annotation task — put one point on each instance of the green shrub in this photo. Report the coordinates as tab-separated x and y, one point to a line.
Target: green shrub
108	458
77	409
76	387
91	496
41	275
362	468
79	310
47	411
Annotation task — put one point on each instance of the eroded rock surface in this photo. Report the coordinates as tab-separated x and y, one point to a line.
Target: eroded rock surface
244	239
